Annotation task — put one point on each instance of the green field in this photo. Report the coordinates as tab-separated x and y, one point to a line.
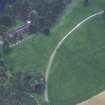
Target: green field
78	70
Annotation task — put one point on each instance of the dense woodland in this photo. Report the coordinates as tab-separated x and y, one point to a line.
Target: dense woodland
42	13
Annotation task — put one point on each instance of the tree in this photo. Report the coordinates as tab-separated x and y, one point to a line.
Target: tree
5	44
46	31
6	47
13	96
3	29
11	14
86	2
34	17
1	49
46	103
22	8
2	62
6	21
44	13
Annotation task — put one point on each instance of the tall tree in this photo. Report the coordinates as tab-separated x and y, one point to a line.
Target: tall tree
86	2
6	21
3	29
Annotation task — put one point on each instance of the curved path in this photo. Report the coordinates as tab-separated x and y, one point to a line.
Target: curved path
59	45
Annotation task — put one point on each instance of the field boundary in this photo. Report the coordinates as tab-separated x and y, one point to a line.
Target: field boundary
95	100
51	59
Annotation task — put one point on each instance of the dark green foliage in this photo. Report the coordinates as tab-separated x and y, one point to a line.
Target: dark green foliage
46	31
47	13
12	91
21	9
6	21
28	82
7	16
3	76
22	83
86	2
2	62
6	47
45	103
3	29
12	96
44	16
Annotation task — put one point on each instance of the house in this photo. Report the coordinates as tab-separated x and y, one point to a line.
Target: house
15	34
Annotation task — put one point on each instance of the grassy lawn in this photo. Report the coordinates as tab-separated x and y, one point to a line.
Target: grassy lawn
78	70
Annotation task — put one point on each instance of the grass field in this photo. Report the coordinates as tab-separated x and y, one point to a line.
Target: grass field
78	70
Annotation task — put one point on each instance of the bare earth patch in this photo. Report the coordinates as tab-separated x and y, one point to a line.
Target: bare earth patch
96	100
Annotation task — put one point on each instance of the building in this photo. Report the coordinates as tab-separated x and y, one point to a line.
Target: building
12	36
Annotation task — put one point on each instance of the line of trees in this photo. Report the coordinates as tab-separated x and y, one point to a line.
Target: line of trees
7	15
47	12
42	13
